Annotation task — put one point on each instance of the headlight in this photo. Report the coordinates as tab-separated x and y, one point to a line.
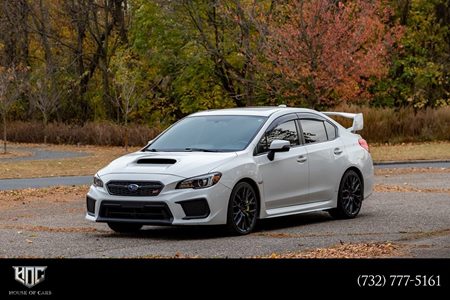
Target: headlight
98	182
200	182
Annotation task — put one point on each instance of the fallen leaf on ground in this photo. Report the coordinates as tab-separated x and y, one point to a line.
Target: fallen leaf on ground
346	250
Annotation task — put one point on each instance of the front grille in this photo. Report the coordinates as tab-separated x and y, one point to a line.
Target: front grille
133	210
134	188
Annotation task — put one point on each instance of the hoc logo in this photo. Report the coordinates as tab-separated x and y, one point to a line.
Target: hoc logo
29	276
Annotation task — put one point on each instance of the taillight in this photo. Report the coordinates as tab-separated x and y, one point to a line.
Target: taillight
363	143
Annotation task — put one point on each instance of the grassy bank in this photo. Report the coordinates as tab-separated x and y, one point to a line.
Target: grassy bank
381	125
404	125
92	133
100	156
410	151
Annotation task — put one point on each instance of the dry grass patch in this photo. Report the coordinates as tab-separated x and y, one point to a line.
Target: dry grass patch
52	229
98	158
14	153
392	172
347	250
410	151
406	188
15	198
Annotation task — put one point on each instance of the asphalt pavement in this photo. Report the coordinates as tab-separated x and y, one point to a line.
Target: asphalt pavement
416	221
18	184
42	154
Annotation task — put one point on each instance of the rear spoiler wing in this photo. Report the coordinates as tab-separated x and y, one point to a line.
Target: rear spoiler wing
358	120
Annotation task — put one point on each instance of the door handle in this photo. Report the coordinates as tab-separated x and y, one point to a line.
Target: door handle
338	151
301	159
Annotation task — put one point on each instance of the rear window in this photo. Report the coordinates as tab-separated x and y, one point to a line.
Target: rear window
331	131
313	131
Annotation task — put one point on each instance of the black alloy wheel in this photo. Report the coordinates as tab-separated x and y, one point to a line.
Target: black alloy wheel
350	197
242	209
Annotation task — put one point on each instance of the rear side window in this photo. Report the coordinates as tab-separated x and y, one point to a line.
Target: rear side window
286	131
314	131
331	131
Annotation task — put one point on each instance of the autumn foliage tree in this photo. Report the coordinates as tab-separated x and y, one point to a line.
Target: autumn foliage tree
11	83
327	51
126	81
420	72
192	55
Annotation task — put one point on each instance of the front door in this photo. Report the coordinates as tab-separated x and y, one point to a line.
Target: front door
285	179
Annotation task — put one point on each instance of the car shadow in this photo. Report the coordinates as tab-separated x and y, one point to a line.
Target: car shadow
174	233
177	233
292	221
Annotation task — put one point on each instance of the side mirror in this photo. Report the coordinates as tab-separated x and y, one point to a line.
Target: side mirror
149	142
278	146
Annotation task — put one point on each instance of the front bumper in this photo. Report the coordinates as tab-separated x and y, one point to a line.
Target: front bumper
171	207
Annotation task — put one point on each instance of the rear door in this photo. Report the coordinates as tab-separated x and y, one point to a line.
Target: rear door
325	155
286	177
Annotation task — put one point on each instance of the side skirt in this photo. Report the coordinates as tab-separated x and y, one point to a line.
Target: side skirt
297	209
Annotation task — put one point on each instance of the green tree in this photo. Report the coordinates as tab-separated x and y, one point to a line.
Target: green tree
201	54
179	78
127	81
420	74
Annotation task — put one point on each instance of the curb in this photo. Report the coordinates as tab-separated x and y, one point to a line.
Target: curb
407	162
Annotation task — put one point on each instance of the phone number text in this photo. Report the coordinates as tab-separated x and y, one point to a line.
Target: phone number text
379	280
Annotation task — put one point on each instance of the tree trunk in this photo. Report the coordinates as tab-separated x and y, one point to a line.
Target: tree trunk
4	133
404	12
45	128
126	133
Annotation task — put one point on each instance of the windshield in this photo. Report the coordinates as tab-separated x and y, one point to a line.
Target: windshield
209	134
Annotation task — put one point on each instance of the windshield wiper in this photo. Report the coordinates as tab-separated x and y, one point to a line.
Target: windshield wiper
150	150
200	150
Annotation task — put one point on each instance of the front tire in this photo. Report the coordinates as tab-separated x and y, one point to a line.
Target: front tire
242	209
350	197
124	227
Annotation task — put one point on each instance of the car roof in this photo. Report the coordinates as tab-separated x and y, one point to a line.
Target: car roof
264	111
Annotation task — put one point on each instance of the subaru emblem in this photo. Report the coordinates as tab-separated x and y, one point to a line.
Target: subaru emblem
133	187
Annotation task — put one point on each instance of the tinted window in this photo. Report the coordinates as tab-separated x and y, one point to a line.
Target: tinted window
313	131
331	131
285	131
209	133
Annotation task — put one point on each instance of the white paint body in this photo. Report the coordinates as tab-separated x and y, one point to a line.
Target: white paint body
306	178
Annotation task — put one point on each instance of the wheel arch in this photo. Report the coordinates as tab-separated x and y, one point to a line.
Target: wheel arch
255	187
358	172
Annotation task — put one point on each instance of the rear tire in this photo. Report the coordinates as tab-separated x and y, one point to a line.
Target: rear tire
350	196
243	209
124	227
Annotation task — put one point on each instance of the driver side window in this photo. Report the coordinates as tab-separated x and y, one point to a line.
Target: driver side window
285	131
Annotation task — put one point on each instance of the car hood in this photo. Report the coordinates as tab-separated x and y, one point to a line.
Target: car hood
181	164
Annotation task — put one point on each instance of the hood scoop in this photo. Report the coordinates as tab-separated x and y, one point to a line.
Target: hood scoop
156	161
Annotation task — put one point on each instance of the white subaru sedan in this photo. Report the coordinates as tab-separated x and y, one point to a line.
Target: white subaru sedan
235	166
